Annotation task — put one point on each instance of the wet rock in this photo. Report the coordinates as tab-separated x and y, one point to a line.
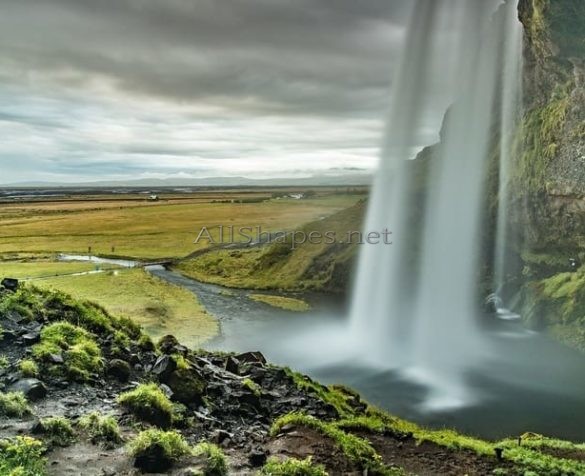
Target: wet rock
10	284
32	388
187	386
232	365
167	344
153	460
248	398
31	338
167	390
258	457
164	366
56	359
15	317
251	358
119	369
219	436
180	349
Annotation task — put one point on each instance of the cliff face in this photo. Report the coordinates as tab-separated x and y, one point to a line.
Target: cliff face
549	177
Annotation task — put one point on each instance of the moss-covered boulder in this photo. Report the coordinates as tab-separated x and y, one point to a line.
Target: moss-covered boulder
187	386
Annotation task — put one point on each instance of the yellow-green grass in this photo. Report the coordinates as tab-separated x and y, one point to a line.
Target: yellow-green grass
161	308
282	302
142	230
41	269
277	266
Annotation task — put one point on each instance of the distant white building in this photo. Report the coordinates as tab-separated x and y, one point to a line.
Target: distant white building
297	196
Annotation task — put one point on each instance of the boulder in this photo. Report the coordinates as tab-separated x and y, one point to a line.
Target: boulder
252	358
56	359
257	457
164	366
153	459
187	386
10	284
119	369
168	344
32	388
232	365
31	338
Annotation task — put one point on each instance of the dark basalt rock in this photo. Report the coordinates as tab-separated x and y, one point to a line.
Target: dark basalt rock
232	365
10	284
119	369
258	457
56	359
32	388
153	460
168	344
252	358
31	338
187	385
164	366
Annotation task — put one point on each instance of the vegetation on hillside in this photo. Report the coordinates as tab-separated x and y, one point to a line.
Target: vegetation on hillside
320	265
335	415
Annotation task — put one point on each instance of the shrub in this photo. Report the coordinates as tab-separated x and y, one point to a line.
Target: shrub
357	450
149	403
24	301
292	467
4	363
252	386
167	446
145	343
14	404
100	428
28	368
22	456
182	363
58	430
81	353
215	461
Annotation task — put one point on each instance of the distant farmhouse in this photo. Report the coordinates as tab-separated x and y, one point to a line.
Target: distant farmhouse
297	196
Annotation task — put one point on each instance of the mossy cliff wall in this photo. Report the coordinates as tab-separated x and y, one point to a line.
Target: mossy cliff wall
549	169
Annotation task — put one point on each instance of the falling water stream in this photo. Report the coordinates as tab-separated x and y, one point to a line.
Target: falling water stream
420	314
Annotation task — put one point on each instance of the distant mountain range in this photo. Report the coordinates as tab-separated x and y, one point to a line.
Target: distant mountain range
313	181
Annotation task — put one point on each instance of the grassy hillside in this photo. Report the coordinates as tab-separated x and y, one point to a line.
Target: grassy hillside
159	307
146	230
320	266
125	417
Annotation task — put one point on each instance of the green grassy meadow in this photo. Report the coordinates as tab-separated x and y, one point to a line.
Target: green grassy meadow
160	308
145	230
279	266
127	226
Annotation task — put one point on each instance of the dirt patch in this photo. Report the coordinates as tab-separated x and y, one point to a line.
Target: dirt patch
302	442
565	453
429	459
89	460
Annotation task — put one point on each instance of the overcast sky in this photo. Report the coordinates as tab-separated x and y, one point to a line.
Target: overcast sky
118	89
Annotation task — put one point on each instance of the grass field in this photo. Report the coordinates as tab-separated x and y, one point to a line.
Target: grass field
277	266
159	307
32	233
39	269
141	229
282	302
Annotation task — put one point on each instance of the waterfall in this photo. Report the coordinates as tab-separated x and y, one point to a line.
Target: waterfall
510	115
415	301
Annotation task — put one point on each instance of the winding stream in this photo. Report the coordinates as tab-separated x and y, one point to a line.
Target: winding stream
530	384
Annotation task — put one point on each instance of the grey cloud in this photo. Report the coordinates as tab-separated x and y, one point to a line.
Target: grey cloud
297	56
113	87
